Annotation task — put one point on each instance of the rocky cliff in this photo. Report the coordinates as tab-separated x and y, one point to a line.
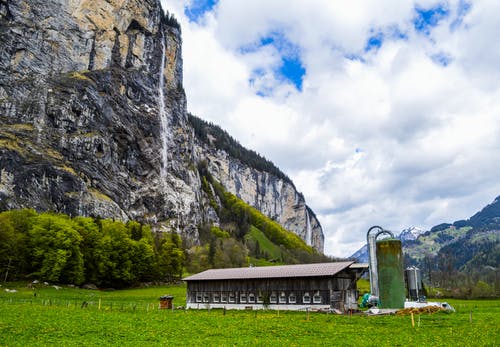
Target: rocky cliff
93	121
245	175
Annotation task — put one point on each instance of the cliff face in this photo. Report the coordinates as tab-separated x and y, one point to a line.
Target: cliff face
93	121
275	197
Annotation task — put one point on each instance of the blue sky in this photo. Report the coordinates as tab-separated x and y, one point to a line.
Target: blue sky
383	112
427	18
196	9
290	69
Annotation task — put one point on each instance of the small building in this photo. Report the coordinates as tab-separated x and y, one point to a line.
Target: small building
287	287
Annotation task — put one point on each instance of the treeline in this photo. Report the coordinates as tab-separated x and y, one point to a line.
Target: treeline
488	216
170	20
214	135
58	248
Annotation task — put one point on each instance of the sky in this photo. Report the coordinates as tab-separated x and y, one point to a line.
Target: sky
382	112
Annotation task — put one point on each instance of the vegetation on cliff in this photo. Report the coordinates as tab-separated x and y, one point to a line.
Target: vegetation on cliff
244	235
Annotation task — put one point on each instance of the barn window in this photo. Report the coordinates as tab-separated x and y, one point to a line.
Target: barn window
199	297
306	299
206	297
232	298
243	298
251	298
317	298
282	298
272	298
292	299
216	297
223	297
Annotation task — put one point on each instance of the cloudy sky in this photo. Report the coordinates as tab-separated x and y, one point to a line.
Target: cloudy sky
383	112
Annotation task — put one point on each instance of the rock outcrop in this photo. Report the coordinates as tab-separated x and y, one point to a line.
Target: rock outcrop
275	197
93	121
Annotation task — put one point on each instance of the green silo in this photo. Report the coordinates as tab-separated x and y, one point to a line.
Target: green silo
390	273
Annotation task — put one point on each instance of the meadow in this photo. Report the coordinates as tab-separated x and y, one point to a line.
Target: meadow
79	317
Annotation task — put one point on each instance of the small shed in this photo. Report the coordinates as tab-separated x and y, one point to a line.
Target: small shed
286	287
166	302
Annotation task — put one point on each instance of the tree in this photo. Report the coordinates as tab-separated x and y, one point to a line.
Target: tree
170	257
8	253
14	227
91	236
55	249
115	256
212	250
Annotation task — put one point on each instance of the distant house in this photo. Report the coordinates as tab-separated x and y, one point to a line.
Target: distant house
287	287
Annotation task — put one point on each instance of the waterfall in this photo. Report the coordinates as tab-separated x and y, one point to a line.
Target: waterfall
308	229
163	113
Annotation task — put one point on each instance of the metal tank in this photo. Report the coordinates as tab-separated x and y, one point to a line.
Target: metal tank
414	283
390	273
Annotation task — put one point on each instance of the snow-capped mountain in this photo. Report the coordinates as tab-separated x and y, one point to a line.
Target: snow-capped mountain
410	234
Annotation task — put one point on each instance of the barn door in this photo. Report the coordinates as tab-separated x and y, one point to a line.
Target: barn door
336	301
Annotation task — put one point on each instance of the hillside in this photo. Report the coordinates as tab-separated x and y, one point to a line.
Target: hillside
456	254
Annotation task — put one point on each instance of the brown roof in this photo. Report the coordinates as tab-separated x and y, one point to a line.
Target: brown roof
301	270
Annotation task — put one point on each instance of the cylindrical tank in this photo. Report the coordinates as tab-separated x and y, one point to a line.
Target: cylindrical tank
414	283
390	273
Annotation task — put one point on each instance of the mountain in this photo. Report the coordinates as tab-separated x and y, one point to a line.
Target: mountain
451	254
464	234
361	255
488	216
406	236
94	121
410	234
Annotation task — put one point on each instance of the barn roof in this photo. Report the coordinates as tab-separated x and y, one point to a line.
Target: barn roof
282	271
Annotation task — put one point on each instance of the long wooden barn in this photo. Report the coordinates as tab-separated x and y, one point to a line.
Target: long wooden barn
287	287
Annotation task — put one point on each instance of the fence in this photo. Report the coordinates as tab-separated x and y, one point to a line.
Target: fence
99	304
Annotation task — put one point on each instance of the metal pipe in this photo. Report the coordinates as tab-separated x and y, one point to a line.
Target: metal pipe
372	260
371	239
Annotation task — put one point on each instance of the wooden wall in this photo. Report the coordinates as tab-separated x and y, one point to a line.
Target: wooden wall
333	290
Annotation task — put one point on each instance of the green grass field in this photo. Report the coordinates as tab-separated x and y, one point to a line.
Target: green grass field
131	318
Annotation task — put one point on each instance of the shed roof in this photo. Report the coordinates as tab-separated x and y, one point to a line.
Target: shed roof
282	271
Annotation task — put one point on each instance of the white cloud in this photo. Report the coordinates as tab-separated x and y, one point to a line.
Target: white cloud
391	136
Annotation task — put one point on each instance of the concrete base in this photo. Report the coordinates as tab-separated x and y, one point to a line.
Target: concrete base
206	306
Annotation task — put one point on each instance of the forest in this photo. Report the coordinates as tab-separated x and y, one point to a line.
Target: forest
57	248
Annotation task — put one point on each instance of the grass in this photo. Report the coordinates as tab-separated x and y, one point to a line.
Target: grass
29	320
79	75
12	145
363	286
99	195
265	245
